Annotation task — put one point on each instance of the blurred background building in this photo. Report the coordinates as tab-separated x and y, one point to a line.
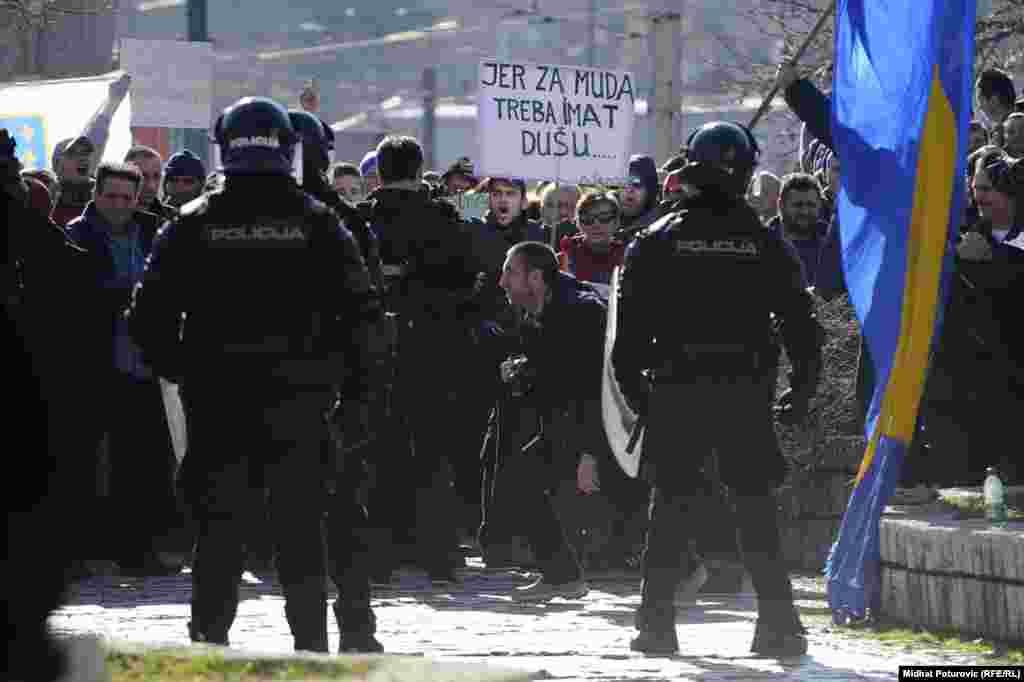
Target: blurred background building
378	61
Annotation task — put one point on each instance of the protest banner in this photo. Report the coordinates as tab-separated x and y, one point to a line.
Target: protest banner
543	122
39	114
172	82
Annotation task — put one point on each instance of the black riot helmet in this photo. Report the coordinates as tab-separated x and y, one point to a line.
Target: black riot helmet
256	137
722	152
317	139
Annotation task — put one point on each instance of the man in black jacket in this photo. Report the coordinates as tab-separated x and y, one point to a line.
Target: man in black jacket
430	273
142	460
348	547
558	376
709	355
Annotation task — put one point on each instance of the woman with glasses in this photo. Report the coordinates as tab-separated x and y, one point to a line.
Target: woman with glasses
592	255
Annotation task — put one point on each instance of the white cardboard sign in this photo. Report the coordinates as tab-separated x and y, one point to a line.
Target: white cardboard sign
172	82
549	122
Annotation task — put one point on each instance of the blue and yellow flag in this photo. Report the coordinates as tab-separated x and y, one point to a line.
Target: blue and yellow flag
29	131
900	108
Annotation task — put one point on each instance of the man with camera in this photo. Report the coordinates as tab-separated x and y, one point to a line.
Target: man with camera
558	374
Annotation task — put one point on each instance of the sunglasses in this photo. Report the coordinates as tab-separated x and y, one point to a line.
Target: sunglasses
604	217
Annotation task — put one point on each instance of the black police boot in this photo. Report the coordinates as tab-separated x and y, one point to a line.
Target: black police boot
657	628
779	632
204	636
305	607
207	625
357	626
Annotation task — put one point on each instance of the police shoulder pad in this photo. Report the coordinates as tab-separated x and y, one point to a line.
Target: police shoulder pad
196	207
313	206
664	223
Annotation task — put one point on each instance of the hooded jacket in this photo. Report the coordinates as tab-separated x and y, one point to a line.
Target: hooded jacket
642	166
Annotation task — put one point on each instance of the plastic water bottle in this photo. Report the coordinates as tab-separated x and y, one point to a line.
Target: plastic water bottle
995	499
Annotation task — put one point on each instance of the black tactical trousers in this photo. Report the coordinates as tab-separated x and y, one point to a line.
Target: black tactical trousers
240	445
428	399
556	557
142	465
730	417
349	560
668	558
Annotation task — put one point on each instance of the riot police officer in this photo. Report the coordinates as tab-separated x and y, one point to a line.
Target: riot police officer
348	534
247	299
317	145
697	370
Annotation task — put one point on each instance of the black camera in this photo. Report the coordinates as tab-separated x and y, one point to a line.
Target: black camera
518	375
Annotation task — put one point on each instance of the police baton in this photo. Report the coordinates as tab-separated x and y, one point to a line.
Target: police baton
634	436
767	102
640	425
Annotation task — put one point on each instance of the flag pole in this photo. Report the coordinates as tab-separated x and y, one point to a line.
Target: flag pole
767	102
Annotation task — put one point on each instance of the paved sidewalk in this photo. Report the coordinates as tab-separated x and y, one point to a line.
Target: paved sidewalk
476	620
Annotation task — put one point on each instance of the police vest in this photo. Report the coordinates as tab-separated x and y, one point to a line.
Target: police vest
709	263
260	286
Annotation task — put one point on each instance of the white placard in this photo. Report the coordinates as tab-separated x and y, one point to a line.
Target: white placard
551	122
172	82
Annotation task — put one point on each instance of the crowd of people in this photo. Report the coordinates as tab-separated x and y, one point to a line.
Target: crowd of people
357	340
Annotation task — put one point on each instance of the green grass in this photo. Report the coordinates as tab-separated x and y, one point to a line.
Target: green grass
901	636
809	590
173	666
898	635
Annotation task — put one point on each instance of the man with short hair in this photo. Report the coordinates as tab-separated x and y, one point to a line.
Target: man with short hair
348	182
142	460
426	259
183	178
561	339
150	165
1013	135
995	95
799	221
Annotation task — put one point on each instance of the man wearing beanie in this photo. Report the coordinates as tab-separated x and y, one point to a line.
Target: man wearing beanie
183	178
639	197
